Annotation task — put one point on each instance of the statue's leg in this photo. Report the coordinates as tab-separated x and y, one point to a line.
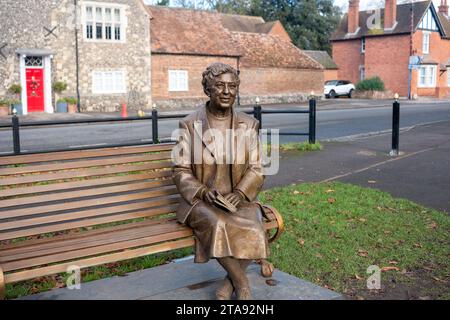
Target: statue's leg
237	276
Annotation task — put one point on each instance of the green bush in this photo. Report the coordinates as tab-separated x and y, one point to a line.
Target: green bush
71	100
4	102
61	100
15	89
59	86
371	84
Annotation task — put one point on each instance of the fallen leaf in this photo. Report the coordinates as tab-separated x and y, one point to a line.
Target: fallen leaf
417	245
296	192
433	225
271	282
329	191
362	253
362	219
301	242
318	255
393	262
390	268
331	200
358	277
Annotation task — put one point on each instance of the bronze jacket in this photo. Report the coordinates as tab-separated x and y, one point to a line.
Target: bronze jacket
191	177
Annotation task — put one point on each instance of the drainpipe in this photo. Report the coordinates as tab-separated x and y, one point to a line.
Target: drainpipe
77	64
238	93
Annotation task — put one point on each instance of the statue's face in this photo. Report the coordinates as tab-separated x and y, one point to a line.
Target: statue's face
223	92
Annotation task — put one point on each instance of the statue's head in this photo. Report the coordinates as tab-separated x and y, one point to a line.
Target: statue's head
220	84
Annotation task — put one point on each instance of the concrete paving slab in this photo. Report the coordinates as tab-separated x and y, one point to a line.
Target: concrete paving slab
185	280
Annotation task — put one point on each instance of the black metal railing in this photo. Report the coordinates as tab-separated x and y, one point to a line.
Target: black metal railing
257	112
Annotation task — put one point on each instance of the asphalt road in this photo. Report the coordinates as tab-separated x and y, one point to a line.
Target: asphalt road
331	124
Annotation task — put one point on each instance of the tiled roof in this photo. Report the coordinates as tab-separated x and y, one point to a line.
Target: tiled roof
262	50
234	22
187	31
403	19
445	22
177	30
322	57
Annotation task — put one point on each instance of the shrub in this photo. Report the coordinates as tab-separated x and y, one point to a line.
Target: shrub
59	86
71	100
371	84
61	100
4	102
15	89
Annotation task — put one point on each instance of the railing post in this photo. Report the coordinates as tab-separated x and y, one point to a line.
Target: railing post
257	113
16	135
395	128
312	120
155	137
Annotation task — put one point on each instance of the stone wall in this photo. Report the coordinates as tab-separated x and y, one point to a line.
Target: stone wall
23	24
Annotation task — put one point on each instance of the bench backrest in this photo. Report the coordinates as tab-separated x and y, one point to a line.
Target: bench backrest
51	193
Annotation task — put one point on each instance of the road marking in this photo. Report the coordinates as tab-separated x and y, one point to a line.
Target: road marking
378	164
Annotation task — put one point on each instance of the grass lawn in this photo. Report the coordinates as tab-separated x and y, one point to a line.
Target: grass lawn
334	232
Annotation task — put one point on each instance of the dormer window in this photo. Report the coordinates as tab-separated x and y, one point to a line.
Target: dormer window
103	22
426	43
363	45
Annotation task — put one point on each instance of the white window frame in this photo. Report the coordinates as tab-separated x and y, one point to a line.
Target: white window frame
178	80
448	76
102	76
426	43
429	77
104	5
362	73
363	45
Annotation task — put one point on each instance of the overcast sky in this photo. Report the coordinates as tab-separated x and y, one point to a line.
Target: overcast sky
369	4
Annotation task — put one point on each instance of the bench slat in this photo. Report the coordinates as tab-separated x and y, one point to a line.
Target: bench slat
30	244
85	193
83	173
86	240
157	234
85	163
68	155
91	222
90	262
20	190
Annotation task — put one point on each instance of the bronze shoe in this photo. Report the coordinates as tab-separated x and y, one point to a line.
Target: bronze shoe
225	291
244	293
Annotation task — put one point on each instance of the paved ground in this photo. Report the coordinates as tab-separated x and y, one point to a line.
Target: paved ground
421	173
185	280
334	119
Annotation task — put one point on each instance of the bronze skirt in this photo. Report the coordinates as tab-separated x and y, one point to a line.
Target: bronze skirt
221	234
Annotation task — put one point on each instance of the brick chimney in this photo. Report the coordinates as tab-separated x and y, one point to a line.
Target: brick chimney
353	16
443	8
390	14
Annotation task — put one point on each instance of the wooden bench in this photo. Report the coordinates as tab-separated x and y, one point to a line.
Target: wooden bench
90	207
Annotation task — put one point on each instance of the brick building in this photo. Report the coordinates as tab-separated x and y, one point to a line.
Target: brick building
380	43
100	49
184	42
330	67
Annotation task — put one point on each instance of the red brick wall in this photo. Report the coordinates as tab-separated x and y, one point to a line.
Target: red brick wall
388	58
254	81
439	52
347	56
330	75
195	65
272	81
278	30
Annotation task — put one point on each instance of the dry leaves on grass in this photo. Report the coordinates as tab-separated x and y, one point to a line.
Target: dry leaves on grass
331	200
390	269
301	242
362	253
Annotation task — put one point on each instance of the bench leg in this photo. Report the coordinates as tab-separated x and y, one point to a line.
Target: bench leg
2	285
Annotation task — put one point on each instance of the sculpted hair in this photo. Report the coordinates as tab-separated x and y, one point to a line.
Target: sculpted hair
214	70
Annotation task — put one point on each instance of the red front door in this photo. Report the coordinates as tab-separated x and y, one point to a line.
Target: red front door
35	89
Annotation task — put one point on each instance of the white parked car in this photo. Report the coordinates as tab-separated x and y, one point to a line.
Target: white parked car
337	88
